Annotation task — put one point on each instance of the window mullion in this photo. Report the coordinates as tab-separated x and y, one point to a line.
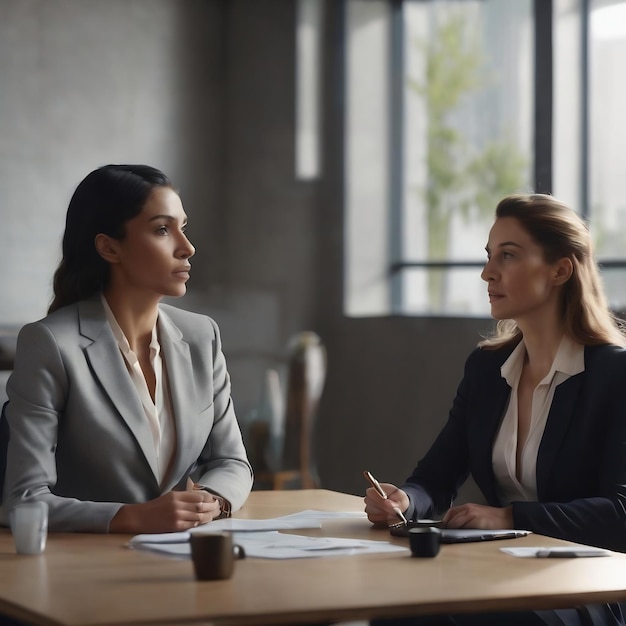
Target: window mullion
584	108
396	152
543	95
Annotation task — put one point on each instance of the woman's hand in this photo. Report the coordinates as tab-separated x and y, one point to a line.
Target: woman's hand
380	510
172	512
478	516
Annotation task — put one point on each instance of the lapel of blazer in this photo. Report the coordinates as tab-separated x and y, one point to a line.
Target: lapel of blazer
108	366
179	369
496	400
559	418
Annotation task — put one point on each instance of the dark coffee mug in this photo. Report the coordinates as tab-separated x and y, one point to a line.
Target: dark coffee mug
214	555
424	541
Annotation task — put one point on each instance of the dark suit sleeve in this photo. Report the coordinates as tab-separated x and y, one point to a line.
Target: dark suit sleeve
434	483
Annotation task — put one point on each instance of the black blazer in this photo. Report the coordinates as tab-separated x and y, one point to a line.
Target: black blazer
581	462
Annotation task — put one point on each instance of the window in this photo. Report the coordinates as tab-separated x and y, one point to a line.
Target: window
606	203
453	104
309	18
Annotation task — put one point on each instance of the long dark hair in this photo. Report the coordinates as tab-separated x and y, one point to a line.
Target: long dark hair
560	232
102	203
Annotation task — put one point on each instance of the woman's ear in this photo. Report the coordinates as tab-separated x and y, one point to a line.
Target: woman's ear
563	271
107	248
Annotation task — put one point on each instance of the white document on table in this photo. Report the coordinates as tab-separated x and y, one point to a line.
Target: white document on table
293	521
286	522
272	544
261	539
556	552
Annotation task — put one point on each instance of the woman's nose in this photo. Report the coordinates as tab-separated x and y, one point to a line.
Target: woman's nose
487	273
186	250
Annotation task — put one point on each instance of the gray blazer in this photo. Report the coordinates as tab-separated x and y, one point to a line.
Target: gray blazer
79	438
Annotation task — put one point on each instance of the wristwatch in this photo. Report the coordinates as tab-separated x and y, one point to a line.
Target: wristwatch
225	508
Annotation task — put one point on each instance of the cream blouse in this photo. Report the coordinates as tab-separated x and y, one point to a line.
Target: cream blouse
158	412
569	361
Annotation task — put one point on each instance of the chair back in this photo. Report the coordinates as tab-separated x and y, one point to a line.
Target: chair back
4	444
306	375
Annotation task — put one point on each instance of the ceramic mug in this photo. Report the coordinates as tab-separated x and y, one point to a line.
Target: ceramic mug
29	527
214	555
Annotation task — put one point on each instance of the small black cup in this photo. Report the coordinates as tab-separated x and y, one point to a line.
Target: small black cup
424	541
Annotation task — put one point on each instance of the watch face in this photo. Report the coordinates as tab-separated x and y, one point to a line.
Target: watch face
224	505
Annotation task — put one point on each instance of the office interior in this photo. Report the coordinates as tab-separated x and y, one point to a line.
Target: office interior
206	91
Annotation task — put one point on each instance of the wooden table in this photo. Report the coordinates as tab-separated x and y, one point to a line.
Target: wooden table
95	580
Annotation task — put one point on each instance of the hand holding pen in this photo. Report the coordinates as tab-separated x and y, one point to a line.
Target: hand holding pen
381	492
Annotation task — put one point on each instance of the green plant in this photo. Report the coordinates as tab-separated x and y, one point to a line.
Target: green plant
461	178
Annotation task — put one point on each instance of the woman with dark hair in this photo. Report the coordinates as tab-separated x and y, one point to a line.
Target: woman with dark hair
539	419
119	411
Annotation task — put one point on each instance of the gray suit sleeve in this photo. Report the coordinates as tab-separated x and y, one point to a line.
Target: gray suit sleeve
37	391
223	466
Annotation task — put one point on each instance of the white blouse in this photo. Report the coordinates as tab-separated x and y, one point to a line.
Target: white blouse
569	361
159	412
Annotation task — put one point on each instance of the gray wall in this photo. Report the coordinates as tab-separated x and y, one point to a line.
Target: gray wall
204	90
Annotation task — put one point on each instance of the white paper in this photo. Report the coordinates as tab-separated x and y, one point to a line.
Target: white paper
261	539
556	552
322	515
275	545
293	521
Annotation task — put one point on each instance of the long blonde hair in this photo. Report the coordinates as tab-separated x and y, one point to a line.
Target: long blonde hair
562	233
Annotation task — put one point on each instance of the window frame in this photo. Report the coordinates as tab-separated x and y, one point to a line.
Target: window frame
542	152
543	131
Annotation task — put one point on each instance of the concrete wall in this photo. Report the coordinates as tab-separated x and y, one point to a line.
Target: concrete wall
204	90
86	83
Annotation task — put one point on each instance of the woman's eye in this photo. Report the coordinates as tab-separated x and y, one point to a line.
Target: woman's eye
507	255
162	230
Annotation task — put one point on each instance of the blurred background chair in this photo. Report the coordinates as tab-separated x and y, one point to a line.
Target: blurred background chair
8	343
295	466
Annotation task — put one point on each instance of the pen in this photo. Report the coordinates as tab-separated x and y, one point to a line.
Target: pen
381	492
510	534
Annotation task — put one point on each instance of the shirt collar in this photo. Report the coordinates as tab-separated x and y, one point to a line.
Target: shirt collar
120	337
569	360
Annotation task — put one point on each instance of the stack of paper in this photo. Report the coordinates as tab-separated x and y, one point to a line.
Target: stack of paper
261	539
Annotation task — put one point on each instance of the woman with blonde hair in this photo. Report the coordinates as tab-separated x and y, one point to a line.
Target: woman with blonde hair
561	233
539	419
